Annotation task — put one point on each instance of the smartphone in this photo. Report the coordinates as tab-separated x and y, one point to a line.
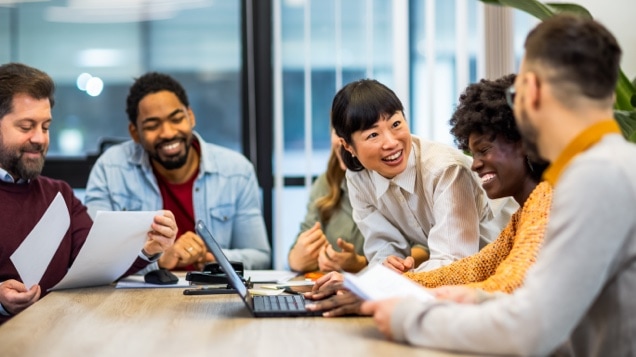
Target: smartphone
209	291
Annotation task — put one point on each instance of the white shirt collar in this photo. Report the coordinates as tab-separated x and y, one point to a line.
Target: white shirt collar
5	176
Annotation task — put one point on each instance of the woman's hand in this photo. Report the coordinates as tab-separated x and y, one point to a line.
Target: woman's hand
398	264
303	256
347	259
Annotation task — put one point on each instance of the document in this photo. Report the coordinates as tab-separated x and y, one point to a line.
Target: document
379	282
36	251
269	276
113	243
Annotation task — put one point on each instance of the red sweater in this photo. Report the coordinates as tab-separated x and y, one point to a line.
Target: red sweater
21	207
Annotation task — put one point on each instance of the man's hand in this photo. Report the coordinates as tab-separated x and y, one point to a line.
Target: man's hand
334	300
188	249
398	264
381	311
163	231
15	297
456	293
346	259
303	256
326	280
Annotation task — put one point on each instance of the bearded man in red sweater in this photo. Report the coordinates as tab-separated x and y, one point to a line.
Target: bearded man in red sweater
26	99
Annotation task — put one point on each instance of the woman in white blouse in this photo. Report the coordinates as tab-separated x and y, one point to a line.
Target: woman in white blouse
405	190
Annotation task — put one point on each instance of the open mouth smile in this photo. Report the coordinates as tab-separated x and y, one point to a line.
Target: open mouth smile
393	157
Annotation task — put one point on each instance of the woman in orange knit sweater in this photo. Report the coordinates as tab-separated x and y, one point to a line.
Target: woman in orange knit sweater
484	125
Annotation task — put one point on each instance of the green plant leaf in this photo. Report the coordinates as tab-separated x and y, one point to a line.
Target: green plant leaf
570	8
532	7
540	10
625	93
627	121
634	94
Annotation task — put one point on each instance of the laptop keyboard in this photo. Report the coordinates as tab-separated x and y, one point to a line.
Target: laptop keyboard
279	303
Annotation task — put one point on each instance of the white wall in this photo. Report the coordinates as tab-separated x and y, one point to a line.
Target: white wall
618	17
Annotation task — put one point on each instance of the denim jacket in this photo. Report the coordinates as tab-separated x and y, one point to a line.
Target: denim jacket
225	197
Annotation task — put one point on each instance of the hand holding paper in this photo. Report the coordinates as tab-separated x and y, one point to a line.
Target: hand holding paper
112	245
379	282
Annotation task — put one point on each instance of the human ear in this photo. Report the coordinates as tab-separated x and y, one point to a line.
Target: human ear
532	93
193	120
347	147
132	130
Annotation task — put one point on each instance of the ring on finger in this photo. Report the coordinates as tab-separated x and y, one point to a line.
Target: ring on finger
327	255
190	249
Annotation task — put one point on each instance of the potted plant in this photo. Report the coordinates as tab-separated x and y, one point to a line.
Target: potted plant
624	107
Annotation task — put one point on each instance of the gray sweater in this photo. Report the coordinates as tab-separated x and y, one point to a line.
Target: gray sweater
580	296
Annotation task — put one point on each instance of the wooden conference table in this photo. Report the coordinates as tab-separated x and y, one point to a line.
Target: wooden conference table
105	321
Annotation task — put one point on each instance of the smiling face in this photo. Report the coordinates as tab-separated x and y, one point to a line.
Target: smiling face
385	147
24	136
501	165
164	129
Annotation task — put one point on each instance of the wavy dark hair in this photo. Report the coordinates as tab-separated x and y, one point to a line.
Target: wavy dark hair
483	109
357	106
18	78
149	83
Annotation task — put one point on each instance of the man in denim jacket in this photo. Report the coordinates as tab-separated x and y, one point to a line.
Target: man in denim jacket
168	166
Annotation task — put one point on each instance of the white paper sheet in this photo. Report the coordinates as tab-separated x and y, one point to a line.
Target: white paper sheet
36	251
112	245
379	282
269	276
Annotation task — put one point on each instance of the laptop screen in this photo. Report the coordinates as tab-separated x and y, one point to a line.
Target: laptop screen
234	279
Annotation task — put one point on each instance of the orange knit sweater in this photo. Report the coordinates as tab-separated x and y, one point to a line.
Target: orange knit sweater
502	264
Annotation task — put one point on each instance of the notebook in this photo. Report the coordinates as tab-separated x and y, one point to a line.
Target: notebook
259	306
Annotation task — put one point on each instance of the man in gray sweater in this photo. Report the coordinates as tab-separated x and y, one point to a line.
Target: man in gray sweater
580	296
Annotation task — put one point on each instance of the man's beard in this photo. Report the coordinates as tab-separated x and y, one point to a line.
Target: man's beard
12	160
175	162
529	137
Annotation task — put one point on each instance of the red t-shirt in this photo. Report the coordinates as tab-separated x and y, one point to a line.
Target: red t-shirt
178	199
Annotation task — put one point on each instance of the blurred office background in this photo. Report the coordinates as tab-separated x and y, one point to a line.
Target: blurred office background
260	74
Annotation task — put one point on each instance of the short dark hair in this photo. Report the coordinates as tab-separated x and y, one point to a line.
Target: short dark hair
149	83
357	106
584	55
18	78
483	109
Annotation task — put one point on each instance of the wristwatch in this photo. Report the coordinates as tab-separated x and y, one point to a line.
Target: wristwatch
150	257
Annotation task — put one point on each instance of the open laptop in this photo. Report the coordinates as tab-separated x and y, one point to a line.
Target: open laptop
259	306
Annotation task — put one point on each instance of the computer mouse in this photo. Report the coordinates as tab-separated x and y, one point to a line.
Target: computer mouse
161	277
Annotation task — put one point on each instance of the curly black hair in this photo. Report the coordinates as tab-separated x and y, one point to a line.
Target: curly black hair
483	109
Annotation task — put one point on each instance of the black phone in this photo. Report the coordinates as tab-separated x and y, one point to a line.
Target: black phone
213	274
209	291
215	268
